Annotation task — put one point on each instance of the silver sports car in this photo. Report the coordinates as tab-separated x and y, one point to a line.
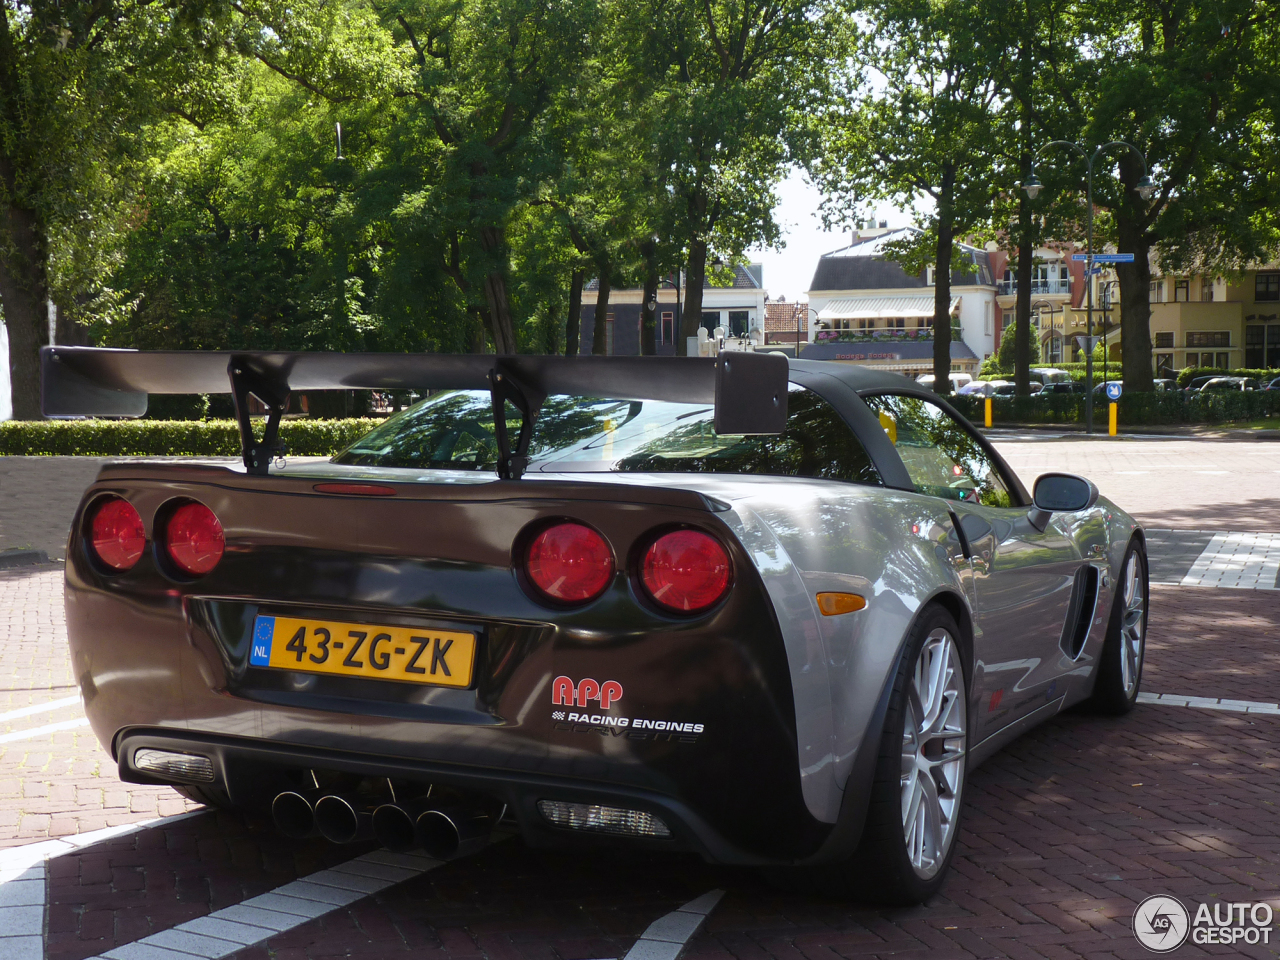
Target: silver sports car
770	611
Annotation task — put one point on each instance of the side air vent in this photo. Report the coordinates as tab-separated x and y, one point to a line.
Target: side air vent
1084	598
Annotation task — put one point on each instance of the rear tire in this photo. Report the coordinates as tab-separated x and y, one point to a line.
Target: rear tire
1124	650
917	793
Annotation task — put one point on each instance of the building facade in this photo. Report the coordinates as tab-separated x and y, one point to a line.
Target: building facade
864	308
737	305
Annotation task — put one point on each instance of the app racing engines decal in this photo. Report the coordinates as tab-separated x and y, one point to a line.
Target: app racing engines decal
565	692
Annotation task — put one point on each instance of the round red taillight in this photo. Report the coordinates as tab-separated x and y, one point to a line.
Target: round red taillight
686	570
570	563
117	534
193	538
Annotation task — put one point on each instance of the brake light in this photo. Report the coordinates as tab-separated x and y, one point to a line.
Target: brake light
570	563
193	539
117	534
686	570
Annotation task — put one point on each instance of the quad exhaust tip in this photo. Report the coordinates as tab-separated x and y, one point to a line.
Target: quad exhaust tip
443	831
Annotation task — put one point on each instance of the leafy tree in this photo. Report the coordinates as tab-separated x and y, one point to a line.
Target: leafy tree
725	89
1191	83
923	128
72	79
1010	340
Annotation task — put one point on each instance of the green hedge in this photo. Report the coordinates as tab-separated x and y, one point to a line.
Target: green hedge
149	438
1136	409
1187	374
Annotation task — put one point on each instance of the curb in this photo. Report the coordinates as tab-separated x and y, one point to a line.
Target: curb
22	558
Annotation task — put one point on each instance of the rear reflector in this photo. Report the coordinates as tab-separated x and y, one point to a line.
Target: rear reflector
179	766
355	489
613	820
117	534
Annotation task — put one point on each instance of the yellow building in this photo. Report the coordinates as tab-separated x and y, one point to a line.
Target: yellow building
1196	320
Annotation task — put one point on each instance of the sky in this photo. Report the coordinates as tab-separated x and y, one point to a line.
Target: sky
787	273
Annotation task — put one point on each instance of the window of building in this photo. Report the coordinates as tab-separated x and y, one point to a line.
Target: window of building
1212	338
1266	286
1273	346
1193	359
1164	365
1181	291
710	320
1223	361
922	322
739	321
1164	339
1156	292
988	322
1206	289
897	323
928	276
666	329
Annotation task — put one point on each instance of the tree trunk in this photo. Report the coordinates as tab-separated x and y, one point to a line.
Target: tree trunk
649	309
574	323
942	301
493	243
23	293
599	337
695	275
1135	285
1022	328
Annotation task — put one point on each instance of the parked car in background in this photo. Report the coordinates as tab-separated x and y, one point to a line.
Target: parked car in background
1069	386
1165	386
958	380
1196	383
980	388
1219	384
1008	388
1100	390
1273	385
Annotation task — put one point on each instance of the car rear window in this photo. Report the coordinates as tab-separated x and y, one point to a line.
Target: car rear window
454	431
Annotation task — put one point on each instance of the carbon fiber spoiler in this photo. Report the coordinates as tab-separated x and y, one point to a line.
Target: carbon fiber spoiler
749	390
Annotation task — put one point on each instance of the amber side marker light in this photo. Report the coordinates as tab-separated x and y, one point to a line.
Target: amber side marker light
834	604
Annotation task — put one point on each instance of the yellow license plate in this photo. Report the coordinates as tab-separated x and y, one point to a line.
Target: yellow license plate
413	654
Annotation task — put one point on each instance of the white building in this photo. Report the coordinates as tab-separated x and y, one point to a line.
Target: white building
737	305
882	316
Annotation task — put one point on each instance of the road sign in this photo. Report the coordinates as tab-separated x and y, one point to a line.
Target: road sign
1087	343
1104	257
1114	390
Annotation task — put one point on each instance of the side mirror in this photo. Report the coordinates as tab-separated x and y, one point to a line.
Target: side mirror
1060	493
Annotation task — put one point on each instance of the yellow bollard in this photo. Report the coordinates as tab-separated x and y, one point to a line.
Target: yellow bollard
987	406
1111	427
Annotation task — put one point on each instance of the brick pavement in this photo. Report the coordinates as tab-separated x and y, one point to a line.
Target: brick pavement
62	783
38	496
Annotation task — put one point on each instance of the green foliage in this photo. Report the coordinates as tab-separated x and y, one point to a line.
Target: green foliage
1135	409
1187	374
1004	353
169	438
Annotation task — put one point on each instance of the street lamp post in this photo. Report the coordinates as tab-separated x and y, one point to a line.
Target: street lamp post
1145	189
1106	310
808	310
1052	311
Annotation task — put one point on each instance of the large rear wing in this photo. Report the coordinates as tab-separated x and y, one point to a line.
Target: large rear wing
749	390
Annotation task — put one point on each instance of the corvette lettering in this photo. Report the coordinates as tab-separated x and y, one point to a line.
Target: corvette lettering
565	691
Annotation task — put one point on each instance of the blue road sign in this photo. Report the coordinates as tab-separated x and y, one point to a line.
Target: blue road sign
1114	390
1104	257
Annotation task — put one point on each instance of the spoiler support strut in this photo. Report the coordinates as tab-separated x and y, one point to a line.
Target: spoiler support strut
274	395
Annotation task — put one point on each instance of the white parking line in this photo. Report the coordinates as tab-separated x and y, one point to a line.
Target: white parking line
259	918
1210	703
41	731
39	708
666	937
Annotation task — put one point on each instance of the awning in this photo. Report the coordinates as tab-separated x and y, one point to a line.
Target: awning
869	308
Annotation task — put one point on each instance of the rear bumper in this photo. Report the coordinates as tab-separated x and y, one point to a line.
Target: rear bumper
252	771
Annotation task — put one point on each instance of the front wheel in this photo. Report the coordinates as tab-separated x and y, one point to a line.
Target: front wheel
1123	651
916	797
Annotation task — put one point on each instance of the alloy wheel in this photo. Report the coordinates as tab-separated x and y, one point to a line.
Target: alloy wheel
1133	625
934	740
